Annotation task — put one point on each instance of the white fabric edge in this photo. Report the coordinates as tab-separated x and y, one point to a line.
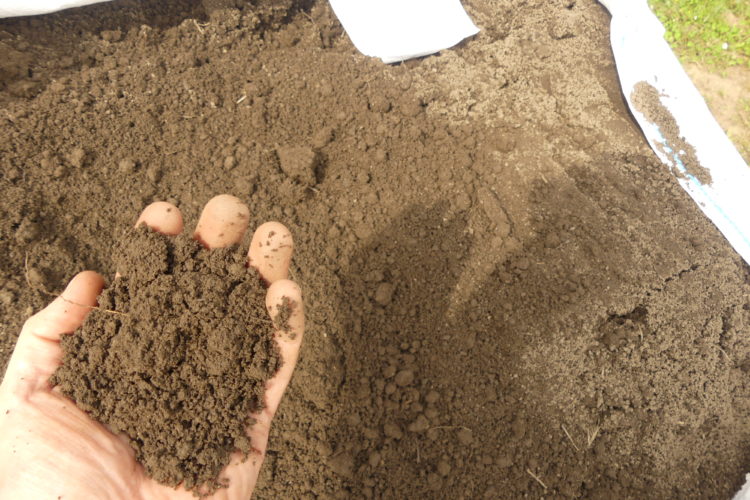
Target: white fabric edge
19	8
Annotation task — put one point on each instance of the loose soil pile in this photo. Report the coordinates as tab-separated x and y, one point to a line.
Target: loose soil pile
176	356
507	294
646	99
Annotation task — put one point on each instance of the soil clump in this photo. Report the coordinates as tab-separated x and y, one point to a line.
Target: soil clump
176	356
503	284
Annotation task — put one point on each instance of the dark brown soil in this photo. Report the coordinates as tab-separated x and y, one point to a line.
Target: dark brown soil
508	295
176	356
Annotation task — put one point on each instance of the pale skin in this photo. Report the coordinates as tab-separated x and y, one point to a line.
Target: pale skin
50	449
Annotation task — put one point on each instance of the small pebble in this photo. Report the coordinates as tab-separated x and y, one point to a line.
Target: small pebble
380	104
153	173
404	378
506	143
12	174
342	464
384	293
465	437
462	201
404	82
299	163
363	178
326	88
229	162
58	172
322	137
35	277
490	493
28	231
126	166
375	276
389	371
523	263
411	108
552	240
111	35
323	448
77	157
443	468
503	461
47	164
380	155
392	430
7	297
411	394
374	459
56	87
353	419
236	269
432	397
421	424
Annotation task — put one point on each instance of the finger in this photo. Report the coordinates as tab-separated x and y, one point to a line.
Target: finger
223	222
271	251
283	297
284	304
163	217
37	353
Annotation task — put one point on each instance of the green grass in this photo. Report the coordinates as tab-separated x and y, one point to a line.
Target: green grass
699	29
743	142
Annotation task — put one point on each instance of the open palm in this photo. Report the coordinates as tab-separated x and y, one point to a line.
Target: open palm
51	449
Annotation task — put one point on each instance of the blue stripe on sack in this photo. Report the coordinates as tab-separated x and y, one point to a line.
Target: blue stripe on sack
696	183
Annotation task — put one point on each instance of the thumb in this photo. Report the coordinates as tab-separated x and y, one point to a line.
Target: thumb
37	353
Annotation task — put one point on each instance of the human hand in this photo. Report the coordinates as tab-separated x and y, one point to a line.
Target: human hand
50	449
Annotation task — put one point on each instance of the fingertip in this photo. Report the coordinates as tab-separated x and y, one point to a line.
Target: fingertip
163	217
84	288
271	251
223	221
284	304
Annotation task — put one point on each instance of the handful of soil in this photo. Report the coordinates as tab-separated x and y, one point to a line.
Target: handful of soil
176	356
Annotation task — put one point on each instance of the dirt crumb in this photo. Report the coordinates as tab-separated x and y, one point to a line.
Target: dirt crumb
299	163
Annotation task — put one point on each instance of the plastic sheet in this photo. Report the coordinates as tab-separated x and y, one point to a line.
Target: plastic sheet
396	30
13	8
642	55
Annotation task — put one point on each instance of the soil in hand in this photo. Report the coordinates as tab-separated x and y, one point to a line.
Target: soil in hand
176	357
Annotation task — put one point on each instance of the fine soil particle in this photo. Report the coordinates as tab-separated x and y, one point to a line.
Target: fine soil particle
487	221
646	99
176	356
